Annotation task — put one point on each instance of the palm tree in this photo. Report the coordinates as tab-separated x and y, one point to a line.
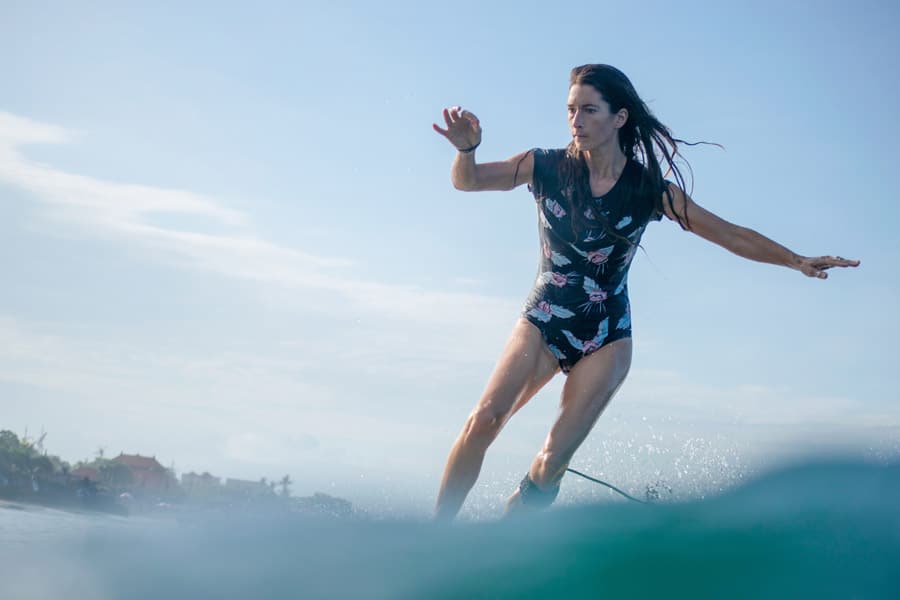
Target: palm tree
39	443
285	484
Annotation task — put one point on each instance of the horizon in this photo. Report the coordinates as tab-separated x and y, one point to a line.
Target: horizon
198	264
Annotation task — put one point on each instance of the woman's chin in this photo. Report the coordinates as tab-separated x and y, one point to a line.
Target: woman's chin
581	144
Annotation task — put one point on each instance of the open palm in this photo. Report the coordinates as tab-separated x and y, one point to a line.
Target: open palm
463	128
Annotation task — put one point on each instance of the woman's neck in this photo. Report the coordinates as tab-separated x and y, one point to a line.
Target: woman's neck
605	163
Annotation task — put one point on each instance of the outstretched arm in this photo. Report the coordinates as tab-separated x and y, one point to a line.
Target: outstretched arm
464	132
743	241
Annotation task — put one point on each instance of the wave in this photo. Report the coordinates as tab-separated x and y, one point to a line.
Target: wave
824	529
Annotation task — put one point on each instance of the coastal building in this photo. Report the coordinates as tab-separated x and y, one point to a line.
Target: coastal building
81	473
200	485
241	487
146	473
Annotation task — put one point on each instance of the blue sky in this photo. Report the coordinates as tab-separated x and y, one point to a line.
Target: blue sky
229	238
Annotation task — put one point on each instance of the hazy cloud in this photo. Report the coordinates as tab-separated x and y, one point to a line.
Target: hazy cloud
126	211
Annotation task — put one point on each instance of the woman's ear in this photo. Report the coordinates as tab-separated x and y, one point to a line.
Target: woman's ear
621	117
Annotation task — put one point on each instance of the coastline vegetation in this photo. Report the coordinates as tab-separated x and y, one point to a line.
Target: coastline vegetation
128	484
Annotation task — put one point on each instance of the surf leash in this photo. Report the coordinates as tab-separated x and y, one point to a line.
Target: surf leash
610	486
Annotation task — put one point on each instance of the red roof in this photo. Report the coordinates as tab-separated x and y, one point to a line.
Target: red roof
136	461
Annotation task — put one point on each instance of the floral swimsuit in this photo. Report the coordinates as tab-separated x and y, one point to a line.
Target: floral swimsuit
580	299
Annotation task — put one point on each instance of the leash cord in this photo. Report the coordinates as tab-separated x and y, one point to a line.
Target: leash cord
612	487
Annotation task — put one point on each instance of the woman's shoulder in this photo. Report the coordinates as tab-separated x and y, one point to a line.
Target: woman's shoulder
555	154
643	176
650	187
545	176
547	160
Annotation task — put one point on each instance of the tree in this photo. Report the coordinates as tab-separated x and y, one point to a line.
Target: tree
285	484
38	444
15	455
116	475
8	439
40	466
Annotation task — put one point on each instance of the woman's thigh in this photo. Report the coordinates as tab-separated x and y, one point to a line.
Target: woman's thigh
524	366
591	384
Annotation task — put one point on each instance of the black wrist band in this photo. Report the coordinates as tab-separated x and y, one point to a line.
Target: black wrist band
469	150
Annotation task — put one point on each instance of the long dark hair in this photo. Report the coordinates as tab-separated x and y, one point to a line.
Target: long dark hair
643	138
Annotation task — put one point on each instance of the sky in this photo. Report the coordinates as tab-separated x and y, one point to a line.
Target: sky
228	237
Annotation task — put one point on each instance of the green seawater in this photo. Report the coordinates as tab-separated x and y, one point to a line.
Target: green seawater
829	529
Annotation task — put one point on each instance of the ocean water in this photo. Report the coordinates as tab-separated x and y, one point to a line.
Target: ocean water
821	529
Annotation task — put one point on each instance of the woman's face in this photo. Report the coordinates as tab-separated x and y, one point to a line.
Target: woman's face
591	123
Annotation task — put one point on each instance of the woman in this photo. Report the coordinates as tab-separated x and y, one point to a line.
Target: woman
595	199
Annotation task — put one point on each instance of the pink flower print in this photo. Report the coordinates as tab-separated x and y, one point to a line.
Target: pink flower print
546	250
596	296
543	311
554	207
597	257
588	346
558	279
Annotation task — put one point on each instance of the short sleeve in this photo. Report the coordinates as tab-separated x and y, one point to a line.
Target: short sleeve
657	212
544	179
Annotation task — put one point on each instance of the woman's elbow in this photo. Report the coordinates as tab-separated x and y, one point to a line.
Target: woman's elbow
463	185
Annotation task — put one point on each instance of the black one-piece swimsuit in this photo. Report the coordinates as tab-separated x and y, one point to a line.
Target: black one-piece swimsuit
580	299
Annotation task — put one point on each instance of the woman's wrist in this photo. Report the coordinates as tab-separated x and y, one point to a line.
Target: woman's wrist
468	150
795	261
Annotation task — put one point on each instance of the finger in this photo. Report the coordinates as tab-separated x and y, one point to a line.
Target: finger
447	118
443	132
469	115
826	262
814	270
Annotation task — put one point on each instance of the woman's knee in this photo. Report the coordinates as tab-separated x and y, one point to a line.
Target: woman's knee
483	425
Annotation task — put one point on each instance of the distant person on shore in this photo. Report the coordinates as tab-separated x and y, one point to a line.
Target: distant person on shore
594	200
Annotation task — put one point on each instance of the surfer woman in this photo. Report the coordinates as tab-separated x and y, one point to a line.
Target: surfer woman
594	200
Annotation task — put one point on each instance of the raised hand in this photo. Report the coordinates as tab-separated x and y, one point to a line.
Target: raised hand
816	266
463	129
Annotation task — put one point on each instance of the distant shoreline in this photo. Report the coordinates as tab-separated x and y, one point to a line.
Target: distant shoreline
25	505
